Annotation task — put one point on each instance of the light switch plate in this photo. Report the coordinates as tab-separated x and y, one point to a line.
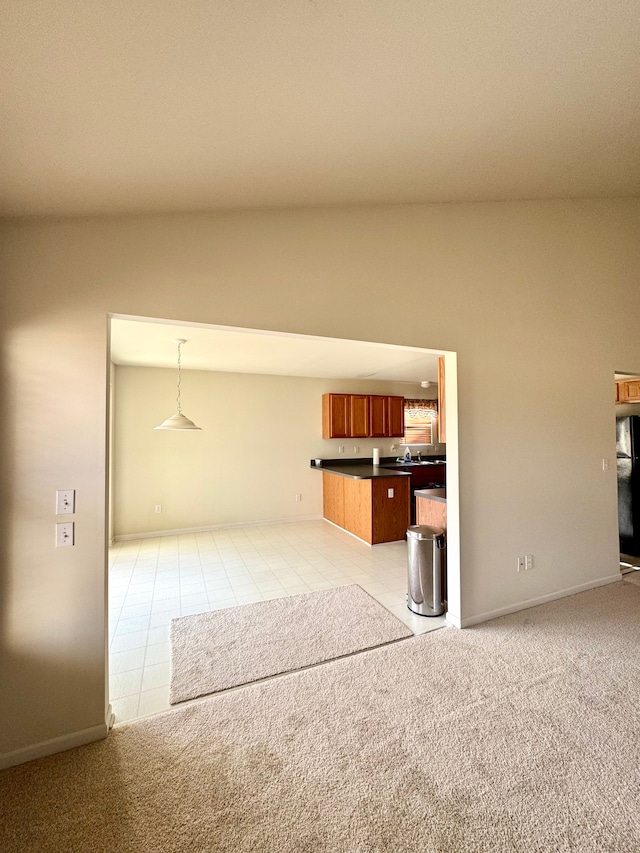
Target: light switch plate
65	502
65	534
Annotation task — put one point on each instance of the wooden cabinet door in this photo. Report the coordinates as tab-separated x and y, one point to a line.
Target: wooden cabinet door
359	404
378	416
434	514
629	391
442	410
336	416
395	416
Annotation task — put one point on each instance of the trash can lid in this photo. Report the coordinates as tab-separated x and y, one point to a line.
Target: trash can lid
421	531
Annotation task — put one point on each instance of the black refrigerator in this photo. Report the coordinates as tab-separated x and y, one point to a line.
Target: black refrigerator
628	462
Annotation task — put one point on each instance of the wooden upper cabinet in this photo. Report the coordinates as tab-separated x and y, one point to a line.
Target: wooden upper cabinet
632	390
359	416
362	416
442	410
336	415
395	419
387	416
628	391
379	416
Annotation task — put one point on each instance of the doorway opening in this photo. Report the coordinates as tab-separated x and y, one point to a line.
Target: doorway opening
627	397
205	519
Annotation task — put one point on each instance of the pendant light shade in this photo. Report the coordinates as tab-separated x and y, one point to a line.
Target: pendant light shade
178	421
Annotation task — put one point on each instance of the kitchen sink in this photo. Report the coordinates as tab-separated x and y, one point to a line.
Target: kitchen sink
422	462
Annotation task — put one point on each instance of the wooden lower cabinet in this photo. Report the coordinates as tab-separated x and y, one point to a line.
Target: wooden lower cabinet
333	498
364	508
434	514
357	508
426	476
390	516
431	513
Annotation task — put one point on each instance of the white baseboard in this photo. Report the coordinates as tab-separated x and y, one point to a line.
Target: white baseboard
467	621
56	744
126	537
348	532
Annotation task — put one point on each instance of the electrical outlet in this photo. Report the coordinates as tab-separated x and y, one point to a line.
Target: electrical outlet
528	562
65	534
521	564
390	493
393	448
298	497
605	464
341	448
356	448
158	507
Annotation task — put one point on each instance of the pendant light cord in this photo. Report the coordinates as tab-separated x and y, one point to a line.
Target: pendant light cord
179	380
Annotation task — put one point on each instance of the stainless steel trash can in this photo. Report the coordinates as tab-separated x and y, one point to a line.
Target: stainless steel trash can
425	563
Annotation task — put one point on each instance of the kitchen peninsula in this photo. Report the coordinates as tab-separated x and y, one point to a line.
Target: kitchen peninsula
431	509
373	502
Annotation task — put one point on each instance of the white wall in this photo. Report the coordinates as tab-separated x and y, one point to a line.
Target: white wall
248	462
542	297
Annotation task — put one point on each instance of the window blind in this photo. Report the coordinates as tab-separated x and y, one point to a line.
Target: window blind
419	417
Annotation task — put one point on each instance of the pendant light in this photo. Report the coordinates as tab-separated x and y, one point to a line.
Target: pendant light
178	421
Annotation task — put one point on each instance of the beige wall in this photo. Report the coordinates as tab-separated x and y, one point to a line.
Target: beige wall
623	409
541	297
249	461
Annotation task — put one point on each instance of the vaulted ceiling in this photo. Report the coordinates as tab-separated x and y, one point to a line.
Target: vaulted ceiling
114	106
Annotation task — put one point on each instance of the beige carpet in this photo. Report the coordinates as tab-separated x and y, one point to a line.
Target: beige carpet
225	648
632	577
518	735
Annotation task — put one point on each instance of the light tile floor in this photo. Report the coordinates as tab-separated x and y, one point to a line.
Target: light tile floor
628	563
151	581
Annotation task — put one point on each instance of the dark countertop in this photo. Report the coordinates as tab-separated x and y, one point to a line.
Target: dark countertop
426	495
359	470
364	469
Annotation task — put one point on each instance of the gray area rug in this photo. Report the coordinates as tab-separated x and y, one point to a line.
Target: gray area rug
518	735
225	648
